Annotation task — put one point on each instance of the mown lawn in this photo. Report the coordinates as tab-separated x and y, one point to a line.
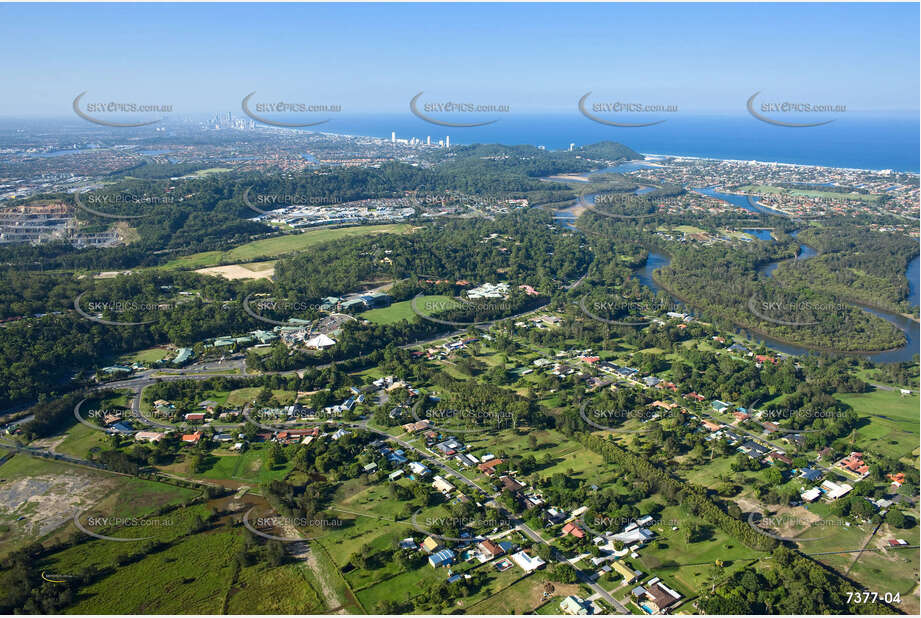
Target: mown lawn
892	427
426	305
279	245
248	467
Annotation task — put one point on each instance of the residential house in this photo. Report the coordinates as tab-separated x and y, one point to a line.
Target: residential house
710	425
659	596
465	460
192	438
417	426
489	467
430	544
510	484
149	436
554	515
419	469
854	463
489	549
810	474
626	572
574	530
444	557
574	606
442	485
811	495
527	562
778	456
754	450
833	490
450	446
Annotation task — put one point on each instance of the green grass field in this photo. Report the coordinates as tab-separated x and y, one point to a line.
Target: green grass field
686	565
148	356
80	440
893	421
247	467
193	575
279	245
283	590
522	596
768	189
403	310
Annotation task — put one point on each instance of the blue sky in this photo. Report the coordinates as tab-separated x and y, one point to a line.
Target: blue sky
535	57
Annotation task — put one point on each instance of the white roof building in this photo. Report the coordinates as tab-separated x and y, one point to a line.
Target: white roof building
833	490
526	562
811	495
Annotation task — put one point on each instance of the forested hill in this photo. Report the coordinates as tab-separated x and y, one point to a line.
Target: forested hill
861	265
530	161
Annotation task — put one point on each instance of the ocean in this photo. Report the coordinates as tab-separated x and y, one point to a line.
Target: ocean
861	141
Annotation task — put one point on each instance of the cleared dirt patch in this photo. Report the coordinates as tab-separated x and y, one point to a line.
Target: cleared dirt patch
48	501
255	270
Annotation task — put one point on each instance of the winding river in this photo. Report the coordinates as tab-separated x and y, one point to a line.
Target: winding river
910	328
736	199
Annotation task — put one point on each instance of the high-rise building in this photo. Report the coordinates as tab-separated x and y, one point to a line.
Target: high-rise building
428	140
393	137
571	147
447	141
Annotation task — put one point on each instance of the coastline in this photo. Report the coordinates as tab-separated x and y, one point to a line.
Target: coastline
779	164
662	156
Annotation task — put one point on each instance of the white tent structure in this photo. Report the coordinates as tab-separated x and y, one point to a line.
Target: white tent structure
320	342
